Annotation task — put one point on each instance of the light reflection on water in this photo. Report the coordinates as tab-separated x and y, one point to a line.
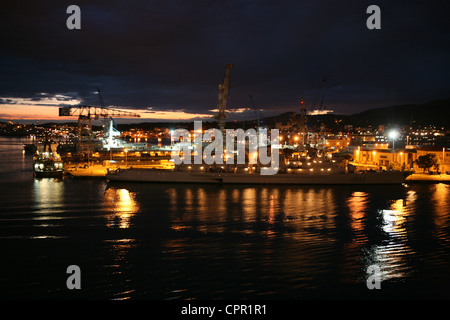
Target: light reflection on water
48	195
165	241
122	205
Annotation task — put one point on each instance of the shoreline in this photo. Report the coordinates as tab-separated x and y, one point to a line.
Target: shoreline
425	177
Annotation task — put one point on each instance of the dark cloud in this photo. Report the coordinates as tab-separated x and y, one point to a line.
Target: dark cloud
171	55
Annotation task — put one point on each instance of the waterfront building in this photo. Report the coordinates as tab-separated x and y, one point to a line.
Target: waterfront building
399	159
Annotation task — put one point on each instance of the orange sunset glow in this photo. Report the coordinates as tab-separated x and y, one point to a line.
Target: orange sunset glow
47	109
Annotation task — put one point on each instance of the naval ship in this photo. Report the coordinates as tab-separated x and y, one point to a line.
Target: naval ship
326	173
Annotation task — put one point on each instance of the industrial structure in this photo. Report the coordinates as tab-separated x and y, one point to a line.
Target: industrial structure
223	97
85	116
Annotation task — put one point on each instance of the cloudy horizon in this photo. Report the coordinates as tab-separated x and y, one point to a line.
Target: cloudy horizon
165	59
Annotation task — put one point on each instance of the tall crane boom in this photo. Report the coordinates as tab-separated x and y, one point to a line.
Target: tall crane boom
87	112
223	97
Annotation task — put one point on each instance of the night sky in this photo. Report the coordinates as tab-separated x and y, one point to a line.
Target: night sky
155	56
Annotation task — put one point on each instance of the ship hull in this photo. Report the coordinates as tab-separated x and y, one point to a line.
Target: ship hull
48	174
146	175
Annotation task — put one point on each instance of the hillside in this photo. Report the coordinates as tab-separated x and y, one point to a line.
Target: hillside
435	112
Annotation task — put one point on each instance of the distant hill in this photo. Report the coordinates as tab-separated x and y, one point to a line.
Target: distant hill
435	112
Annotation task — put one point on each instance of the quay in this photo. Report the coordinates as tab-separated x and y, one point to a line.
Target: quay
424	177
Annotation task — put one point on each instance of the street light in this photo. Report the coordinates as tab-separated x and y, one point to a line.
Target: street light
393	135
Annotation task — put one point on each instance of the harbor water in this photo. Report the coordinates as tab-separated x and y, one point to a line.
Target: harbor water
185	241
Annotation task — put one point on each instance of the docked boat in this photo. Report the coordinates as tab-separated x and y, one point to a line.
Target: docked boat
46	163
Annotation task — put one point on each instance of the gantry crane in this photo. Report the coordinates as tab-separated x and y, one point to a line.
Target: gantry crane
85	116
223	97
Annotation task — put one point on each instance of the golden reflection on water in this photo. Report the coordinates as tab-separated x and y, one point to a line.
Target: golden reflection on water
122	204
209	208
441	199
357	205
249	204
313	220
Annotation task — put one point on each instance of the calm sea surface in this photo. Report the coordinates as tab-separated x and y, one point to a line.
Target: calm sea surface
163	241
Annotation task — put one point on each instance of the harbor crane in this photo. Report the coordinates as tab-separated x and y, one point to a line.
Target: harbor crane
320	109
85	116
223	97
302	122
